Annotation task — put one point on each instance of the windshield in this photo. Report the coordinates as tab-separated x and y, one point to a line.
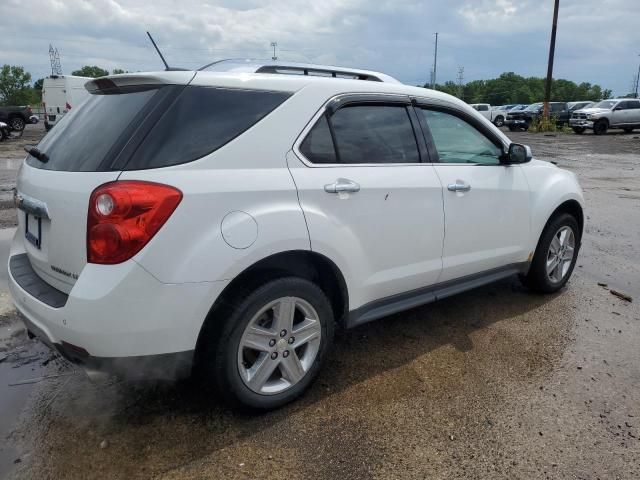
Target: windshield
533	108
608	104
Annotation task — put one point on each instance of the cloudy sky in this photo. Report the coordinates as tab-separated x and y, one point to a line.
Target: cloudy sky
598	40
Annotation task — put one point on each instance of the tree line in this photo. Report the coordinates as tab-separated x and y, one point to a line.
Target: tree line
16	87
512	88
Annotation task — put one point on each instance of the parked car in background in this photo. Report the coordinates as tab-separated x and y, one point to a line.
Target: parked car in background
278	205
522	119
60	93
494	116
16	117
4	131
621	113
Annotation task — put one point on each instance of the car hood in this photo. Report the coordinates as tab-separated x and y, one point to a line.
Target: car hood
592	110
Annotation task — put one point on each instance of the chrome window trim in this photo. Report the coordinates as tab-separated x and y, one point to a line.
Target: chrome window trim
323	109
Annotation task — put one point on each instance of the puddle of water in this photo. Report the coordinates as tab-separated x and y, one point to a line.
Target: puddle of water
24	362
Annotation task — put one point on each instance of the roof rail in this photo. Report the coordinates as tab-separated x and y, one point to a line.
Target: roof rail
295	68
318	72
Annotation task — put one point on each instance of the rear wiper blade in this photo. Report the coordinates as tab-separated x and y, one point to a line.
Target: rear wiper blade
34	152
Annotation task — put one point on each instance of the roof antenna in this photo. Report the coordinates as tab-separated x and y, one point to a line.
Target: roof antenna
159	53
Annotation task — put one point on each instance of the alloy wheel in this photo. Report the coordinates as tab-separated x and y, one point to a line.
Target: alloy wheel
560	254
279	345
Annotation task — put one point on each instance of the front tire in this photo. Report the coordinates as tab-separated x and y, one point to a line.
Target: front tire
499	121
600	127
17	124
555	256
272	344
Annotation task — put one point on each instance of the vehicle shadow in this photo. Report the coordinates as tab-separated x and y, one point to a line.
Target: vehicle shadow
187	424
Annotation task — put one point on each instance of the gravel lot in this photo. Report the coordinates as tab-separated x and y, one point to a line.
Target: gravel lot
494	383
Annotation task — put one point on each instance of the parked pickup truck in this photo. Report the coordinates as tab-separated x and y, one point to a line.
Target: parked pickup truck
621	113
497	117
523	118
16	117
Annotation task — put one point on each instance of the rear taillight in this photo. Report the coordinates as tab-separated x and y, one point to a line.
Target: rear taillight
124	216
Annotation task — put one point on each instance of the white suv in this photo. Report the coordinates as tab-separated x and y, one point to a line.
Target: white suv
227	219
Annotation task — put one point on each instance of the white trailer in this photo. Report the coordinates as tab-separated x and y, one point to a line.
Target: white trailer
61	93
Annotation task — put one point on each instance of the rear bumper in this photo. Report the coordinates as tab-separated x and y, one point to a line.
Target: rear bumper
166	366
120	319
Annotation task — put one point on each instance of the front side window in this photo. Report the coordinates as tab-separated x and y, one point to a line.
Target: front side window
363	134
458	141
557	107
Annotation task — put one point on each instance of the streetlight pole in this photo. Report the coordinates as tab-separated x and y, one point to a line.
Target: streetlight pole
552	49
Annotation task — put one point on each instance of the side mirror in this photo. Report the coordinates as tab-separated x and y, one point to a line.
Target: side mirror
519	153
617	108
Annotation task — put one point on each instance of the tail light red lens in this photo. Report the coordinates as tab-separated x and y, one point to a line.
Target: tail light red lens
124	216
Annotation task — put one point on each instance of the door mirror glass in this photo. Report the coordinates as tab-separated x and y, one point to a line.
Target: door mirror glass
519	153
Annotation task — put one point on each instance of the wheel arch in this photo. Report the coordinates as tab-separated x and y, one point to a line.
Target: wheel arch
306	264
573	208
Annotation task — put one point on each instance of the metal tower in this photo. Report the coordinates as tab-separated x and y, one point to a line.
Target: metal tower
54	57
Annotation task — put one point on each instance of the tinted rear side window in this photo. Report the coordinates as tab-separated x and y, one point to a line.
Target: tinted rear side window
201	120
84	137
318	145
374	134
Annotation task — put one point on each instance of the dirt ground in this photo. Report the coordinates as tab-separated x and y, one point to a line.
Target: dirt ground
494	383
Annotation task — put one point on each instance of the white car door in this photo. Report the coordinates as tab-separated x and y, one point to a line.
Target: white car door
371	199
632	113
486	203
620	114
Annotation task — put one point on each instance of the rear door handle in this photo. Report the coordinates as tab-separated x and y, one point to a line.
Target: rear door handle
342	185
459	186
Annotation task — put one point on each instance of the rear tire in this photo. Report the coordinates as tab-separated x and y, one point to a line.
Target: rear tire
578	130
555	256
600	127
258	337
499	121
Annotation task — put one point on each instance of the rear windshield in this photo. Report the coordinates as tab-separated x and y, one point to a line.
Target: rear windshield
178	126
82	139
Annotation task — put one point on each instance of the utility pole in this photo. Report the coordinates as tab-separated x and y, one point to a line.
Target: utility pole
638	79
274	45
435	64
552	49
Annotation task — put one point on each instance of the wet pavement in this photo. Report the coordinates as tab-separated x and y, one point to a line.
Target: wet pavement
494	383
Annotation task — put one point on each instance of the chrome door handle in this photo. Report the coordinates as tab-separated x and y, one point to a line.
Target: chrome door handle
342	185
459	186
